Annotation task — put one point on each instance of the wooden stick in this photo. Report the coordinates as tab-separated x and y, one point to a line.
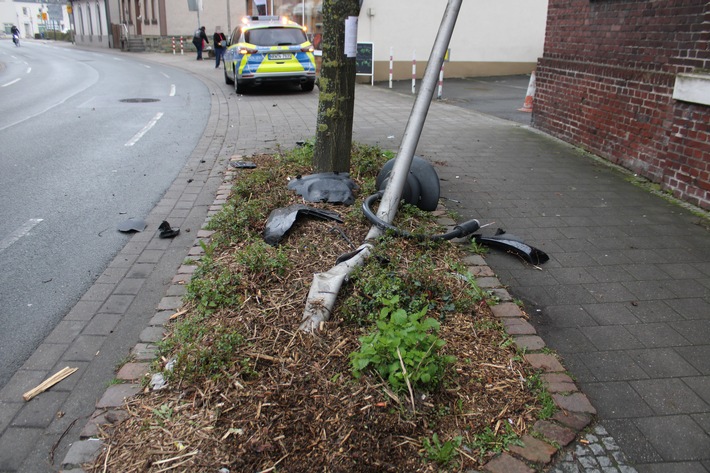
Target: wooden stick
48	383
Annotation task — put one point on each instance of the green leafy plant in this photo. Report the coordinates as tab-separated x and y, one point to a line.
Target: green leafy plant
404	350
441	453
489	441
548	407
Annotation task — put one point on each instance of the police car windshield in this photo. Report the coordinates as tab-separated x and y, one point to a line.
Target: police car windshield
277	36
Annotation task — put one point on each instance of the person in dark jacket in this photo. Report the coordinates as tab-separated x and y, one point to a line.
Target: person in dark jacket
199	40
220	45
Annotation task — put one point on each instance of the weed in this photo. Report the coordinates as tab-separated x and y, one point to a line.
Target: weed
441	453
489	441
403	350
477	249
537	387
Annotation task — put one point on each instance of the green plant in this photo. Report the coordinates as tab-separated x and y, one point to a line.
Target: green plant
404	350
537	387
477	249
490	441
441	453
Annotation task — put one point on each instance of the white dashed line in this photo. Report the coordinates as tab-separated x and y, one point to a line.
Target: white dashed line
145	129
172	90
10	83
19	233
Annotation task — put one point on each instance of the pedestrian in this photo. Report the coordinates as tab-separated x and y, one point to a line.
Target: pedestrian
199	40
220	45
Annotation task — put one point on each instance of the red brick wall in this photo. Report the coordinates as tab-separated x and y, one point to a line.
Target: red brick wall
605	83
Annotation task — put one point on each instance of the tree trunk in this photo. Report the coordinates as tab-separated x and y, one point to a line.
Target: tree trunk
334	131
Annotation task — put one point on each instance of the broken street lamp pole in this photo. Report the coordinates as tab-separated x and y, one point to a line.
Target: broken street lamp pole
325	287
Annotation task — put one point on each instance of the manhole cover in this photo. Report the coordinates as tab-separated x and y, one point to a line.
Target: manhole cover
139	100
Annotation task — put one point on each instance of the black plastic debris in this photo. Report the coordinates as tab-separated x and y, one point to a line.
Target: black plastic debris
332	187
506	241
132	225
421	187
281	220
166	231
242	164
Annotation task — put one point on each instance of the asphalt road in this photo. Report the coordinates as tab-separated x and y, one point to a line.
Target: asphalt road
87	140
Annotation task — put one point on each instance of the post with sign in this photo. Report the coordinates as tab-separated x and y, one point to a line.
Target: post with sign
364	62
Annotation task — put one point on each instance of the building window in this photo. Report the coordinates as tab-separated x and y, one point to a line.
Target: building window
88	19
98	19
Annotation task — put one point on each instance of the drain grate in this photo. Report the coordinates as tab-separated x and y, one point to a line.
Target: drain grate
138	100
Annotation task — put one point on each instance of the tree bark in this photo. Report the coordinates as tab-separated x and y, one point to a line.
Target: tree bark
334	130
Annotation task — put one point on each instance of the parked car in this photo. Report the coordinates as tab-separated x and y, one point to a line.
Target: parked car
269	49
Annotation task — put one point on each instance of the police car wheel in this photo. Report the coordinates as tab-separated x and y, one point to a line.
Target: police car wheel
308	85
228	80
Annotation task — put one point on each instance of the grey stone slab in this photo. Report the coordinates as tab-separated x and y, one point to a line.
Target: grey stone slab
572	315
15	444
648	290
675	438
672	467
632	441
700	386
662	363
140	271
645	272
609	292
21	382
117	304
697	356
703	420
102	324
687	288
694	308
8	410
129	286
657	335
571	275
84	348
614	366
83	451
654	311
97	293
669	396
615	400
696	332
150	256
615	313
83	310
41	410
65	331
567	340
45	356
579	259
112	275
611	337
570	294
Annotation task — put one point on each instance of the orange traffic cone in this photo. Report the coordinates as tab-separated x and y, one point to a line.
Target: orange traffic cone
528	104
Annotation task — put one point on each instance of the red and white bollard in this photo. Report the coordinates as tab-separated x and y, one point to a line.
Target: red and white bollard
173	45
414	72
182	46
441	82
391	61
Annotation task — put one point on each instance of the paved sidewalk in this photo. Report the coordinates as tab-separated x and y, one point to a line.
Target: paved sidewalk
625	298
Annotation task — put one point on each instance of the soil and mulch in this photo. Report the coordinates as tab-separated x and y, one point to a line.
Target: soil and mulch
247	391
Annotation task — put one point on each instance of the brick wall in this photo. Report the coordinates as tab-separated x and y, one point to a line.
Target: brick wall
605	83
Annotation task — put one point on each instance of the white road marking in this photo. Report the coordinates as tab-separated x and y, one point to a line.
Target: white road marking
29	69
19	233
10	83
145	129
165	75
146	66
172	90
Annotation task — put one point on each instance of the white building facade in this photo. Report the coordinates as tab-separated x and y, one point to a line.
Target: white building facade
35	18
498	37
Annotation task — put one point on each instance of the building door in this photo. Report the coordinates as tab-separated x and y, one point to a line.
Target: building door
139	19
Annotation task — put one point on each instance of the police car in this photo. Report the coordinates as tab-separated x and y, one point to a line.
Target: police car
269	49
